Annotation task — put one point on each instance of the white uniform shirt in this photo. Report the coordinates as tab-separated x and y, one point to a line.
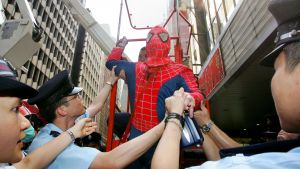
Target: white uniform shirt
6	166
274	160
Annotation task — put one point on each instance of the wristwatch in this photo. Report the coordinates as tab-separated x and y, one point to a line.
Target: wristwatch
206	127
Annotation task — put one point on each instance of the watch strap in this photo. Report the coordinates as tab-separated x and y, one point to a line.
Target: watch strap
175	116
206	127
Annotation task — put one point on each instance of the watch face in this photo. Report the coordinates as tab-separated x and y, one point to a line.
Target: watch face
205	128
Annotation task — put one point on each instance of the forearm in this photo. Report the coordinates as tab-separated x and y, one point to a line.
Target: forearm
131	150
99	100
116	54
211	150
42	156
166	155
221	138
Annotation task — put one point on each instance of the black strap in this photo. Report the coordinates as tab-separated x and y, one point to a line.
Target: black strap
54	133
175	116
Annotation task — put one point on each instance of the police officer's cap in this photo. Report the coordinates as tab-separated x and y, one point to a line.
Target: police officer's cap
287	15
9	86
54	90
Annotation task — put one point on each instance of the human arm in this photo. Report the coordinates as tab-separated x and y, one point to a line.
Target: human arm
116	53
211	150
42	156
99	100
115	59
166	155
126	153
220	138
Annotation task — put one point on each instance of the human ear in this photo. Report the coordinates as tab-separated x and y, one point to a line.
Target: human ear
61	111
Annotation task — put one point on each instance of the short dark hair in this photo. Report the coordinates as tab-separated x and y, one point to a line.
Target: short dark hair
49	111
292	52
143	48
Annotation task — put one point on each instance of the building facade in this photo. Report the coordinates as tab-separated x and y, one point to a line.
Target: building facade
65	45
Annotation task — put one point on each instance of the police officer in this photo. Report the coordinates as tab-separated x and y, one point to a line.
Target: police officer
13	125
61	105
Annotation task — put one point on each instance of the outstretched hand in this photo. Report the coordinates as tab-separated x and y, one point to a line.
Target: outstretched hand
175	103
83	127
121	43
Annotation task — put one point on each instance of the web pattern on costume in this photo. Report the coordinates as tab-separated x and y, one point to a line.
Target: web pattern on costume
147	90
152	81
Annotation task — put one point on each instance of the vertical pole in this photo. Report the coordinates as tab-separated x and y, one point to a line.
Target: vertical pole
120	20
178	52
112	106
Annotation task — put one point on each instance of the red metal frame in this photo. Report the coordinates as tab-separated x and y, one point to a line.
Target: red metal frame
144	39
167	21
111	143
112	107
178	52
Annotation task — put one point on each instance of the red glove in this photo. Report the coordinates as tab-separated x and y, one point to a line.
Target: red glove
122	42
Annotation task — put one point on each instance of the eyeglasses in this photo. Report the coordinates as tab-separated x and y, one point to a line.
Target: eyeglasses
77	95
162	36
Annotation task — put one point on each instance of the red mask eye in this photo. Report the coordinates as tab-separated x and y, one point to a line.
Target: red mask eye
163	36
149	36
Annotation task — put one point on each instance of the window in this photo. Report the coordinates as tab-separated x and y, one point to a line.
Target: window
52	27
36	75
30	70
45	59
222	17
48	2
55	13
40	10
218	13
41	79
229	6
49	21
40	55
35	4
52	7
48	43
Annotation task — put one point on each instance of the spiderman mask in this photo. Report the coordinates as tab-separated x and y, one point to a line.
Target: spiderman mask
157	47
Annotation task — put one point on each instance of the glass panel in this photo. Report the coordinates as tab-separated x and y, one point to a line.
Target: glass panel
215	29
229	5
211	8
210	40
222	17
237	1
207	16
218	3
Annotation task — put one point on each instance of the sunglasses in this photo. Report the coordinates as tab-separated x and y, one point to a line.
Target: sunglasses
162	36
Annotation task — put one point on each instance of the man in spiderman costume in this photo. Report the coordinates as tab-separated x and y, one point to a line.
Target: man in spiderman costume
151	82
